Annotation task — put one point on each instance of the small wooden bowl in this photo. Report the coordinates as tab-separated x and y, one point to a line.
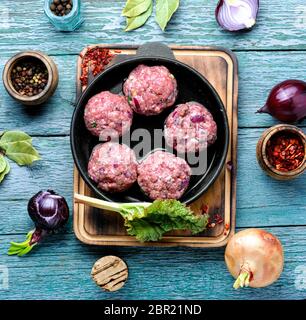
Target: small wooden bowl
262	156
51	84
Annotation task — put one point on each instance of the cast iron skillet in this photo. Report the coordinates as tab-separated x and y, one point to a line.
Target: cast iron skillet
192	86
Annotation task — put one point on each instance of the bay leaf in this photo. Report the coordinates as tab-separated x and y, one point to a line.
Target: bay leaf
136	22
10	137
2	163
22	152
165	10
134	8
6	171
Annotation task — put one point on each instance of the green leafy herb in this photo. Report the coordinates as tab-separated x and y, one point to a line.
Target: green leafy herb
134	8
17	146
165	10
139	11
136	22
23	153
2	163
94	124
10	137
5	171
150	221
129	99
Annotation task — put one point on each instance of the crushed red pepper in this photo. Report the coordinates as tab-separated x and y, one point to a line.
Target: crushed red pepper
216	219
205	209
285	152
97	58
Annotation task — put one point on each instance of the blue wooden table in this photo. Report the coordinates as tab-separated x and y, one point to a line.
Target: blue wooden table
60	268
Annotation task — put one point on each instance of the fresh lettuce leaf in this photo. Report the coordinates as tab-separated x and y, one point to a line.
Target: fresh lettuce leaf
163	216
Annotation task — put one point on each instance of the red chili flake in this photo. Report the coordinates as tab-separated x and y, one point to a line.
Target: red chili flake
97	59
285	152
216	219
117	51
226	227
205	208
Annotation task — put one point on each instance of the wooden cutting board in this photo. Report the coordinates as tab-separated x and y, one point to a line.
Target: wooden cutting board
98	227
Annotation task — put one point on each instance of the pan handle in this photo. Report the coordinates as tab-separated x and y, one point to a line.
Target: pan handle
149	49
155	49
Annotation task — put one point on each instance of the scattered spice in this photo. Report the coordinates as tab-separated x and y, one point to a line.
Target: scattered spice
216	219
29	77
97	59
61	7
205	208
285	152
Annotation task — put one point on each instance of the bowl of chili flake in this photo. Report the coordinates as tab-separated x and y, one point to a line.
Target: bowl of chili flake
281	151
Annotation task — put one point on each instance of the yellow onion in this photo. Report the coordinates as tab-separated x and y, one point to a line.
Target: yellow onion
255	258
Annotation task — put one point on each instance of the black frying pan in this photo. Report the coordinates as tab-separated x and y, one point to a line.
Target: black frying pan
192	86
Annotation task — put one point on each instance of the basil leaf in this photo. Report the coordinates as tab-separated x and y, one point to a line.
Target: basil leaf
6	171
2	163
10	137
134	8
165	10
136	22
23	153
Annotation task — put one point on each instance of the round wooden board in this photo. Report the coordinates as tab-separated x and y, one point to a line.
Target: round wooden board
110	273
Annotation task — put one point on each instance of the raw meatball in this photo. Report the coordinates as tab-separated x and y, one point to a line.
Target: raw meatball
190	128
162	175
108	115
113	167
150	90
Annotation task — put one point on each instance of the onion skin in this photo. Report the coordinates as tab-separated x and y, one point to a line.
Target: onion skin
256	252
231	19
287	101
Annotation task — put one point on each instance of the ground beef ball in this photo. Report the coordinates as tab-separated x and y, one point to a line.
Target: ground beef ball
108	115
162	175
113	167
150	90
190	128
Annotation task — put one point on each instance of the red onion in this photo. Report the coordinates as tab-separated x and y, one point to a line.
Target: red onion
197	118
287	101
237	15
49	212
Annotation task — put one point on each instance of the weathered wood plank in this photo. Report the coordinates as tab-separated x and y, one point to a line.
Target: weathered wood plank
280	26
258	72
261	201
60	269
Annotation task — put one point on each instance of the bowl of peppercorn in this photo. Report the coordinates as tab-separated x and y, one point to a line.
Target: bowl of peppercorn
30	77
281	152
65	15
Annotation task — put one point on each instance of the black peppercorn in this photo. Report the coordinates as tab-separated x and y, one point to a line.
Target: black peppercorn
29	77
61	7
